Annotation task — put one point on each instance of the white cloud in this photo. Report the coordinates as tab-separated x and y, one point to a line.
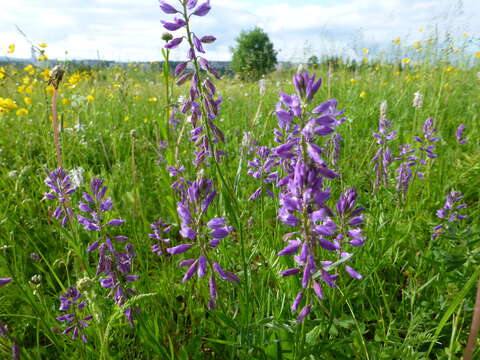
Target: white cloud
127	30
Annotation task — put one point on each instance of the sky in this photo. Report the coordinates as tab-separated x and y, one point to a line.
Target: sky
130	30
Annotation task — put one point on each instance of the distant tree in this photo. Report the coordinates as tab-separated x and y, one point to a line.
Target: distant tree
313	61
254	55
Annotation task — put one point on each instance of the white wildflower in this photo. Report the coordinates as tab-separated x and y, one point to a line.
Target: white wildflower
417	100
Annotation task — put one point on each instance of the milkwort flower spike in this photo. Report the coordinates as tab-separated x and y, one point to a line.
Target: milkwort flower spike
449	213
61	188
75	319
115	265
322	236
383	157
203	237
202	103
414	160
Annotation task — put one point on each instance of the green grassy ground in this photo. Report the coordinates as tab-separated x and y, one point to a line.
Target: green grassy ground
414	302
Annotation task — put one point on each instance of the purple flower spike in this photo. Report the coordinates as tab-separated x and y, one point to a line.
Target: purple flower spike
167	8
61	189
450	213
75	320
459	134
203	9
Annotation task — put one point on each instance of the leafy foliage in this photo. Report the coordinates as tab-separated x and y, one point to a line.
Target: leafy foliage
254	55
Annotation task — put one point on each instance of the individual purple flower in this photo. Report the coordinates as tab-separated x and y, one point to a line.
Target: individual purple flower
202	9
167	8
5	281
75	320
174	43
175	25
61	187
459	134
449	213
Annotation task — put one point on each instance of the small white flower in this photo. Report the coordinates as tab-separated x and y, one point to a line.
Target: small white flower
76	176
262	86
417	100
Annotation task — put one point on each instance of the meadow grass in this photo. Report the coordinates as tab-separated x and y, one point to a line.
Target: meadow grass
414	302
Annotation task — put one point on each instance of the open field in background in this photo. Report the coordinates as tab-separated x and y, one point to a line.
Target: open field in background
416	297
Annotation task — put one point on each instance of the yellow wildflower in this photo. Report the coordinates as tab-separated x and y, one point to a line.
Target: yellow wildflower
449	68
26	80
477	54
396	41
405	60
365	60
65	101
145	120
45	74
11	49
49	89
43	58
42	45
23	89
365	51
152	99
22	111
7	104
110	95
90	98
27	100
29	69
126	118
363	94
353	81
74	79
3	73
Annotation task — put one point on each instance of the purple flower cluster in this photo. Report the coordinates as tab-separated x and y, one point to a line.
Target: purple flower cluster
115	265
202	102
191	211
383	157
262	168
75	321
416	158
160	228
61	188
304	194
331	231
459	134
449	213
